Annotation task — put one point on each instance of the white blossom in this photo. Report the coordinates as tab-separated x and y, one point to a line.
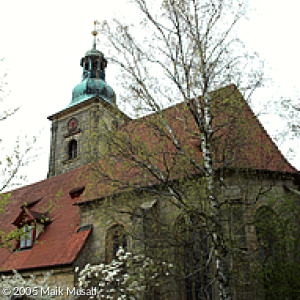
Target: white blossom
125	277
16	280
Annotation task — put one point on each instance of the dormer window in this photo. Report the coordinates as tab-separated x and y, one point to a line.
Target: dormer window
76	192
31	224
27	237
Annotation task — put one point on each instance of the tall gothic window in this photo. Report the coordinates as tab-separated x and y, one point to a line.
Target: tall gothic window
115	239
266	231
267	239
193	258
72	149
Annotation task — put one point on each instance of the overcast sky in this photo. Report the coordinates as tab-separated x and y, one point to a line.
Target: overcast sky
42	43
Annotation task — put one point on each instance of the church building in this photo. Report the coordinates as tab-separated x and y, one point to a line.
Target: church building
65	216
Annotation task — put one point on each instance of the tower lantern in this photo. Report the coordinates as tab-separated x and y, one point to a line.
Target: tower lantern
93	77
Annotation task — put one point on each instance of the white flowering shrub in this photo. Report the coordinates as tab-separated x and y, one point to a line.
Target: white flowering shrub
126	277
16	286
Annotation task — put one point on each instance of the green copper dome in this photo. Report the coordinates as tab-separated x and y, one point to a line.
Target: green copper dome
93	79
91	87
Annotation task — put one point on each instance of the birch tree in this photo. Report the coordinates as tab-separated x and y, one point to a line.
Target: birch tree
188	53
14	284
10	164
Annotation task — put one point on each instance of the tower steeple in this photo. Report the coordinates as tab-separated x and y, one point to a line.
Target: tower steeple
93	77
78	131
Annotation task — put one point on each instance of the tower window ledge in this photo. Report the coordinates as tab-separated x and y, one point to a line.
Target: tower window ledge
72	133
69	161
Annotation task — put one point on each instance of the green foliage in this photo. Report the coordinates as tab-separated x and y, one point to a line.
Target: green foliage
279	251
10	165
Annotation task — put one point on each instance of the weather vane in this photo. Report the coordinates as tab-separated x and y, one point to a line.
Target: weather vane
95	33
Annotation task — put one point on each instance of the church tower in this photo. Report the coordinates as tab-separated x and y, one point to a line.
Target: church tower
76	130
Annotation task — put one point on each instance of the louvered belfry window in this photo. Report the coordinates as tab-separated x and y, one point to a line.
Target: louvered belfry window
72	149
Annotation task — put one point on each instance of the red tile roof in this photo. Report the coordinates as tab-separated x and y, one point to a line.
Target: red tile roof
244	142
60	243
239	141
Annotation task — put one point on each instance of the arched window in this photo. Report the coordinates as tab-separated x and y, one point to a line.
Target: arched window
267	239
115	239
72	149
266	231
193	258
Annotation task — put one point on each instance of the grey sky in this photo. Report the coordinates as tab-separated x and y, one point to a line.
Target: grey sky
42	43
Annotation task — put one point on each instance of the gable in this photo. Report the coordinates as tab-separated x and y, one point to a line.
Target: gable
143	148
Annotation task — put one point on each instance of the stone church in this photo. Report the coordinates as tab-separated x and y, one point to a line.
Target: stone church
67	221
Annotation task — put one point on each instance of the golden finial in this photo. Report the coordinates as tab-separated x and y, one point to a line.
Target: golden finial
95	33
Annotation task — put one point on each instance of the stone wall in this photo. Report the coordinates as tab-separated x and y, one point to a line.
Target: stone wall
249	191
93	117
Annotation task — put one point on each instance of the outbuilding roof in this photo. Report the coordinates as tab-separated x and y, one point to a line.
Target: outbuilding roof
60	243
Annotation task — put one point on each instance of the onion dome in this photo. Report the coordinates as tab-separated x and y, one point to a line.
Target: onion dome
93	78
